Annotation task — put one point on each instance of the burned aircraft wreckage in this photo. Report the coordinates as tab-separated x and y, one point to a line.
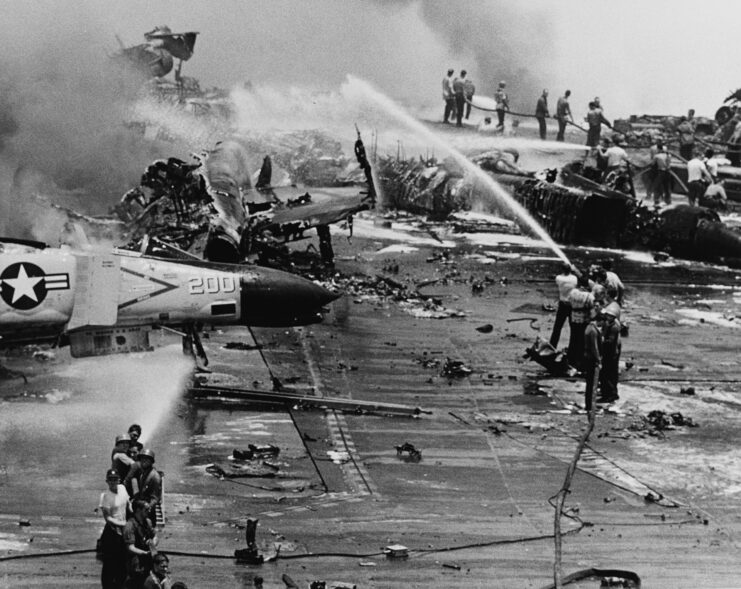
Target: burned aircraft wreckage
570	207
209	209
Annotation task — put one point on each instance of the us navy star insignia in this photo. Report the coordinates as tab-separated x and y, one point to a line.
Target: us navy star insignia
24	285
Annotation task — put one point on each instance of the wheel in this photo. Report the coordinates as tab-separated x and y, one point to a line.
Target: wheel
723	115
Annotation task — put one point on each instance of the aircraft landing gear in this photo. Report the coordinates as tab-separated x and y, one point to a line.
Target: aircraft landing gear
193	346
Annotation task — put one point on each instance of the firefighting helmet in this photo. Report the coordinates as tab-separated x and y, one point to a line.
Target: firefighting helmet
146	453
613	310
123	438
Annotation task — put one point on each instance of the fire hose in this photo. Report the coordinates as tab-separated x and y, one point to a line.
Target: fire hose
522	114
301	556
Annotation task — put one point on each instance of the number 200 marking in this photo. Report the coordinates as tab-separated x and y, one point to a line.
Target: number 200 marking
211	285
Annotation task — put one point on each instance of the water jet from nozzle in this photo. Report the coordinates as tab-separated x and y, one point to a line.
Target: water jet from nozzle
393	109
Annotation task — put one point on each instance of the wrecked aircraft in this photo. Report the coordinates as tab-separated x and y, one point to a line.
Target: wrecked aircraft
611	219
209	210
287	220
155	58
429	187
587	214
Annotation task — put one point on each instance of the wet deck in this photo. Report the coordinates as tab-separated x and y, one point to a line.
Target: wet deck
474	511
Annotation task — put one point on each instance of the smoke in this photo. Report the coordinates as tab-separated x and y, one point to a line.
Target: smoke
62	135
505	41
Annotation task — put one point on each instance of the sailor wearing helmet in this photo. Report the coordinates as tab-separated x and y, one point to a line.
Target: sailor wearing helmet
611	348
149	481
120	460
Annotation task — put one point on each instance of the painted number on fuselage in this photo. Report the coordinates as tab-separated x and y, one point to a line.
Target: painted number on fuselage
199	285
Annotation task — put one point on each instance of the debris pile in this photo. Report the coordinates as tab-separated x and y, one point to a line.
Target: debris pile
657	422
195	207
246	470
362	288
548	357
252	463
255	451
427	362
455	369
424	186
414	453
308	157
644	130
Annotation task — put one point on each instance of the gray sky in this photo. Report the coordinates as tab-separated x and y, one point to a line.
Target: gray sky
639	56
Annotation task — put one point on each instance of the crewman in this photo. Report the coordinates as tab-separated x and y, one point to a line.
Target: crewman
120	459
486	126
614	287
599	292
159	576
325	245
617	157
149	482
459	91
565	282
595	119
563	114
470	90
662	178
582	304
711	163
686	133
611	348
502	103
698	178
733	153
715	197
448	97
135	432
592	359
541	113
140	538
600	155
113	504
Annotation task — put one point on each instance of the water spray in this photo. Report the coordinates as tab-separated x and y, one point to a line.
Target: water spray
396	111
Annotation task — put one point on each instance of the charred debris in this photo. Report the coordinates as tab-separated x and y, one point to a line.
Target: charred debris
208	208
572	207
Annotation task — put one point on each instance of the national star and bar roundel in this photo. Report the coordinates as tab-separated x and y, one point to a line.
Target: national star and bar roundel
24	286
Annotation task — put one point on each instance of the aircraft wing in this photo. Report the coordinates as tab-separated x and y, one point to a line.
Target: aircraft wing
321	213
288	223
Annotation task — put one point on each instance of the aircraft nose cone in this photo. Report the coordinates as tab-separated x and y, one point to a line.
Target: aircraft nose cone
272	297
